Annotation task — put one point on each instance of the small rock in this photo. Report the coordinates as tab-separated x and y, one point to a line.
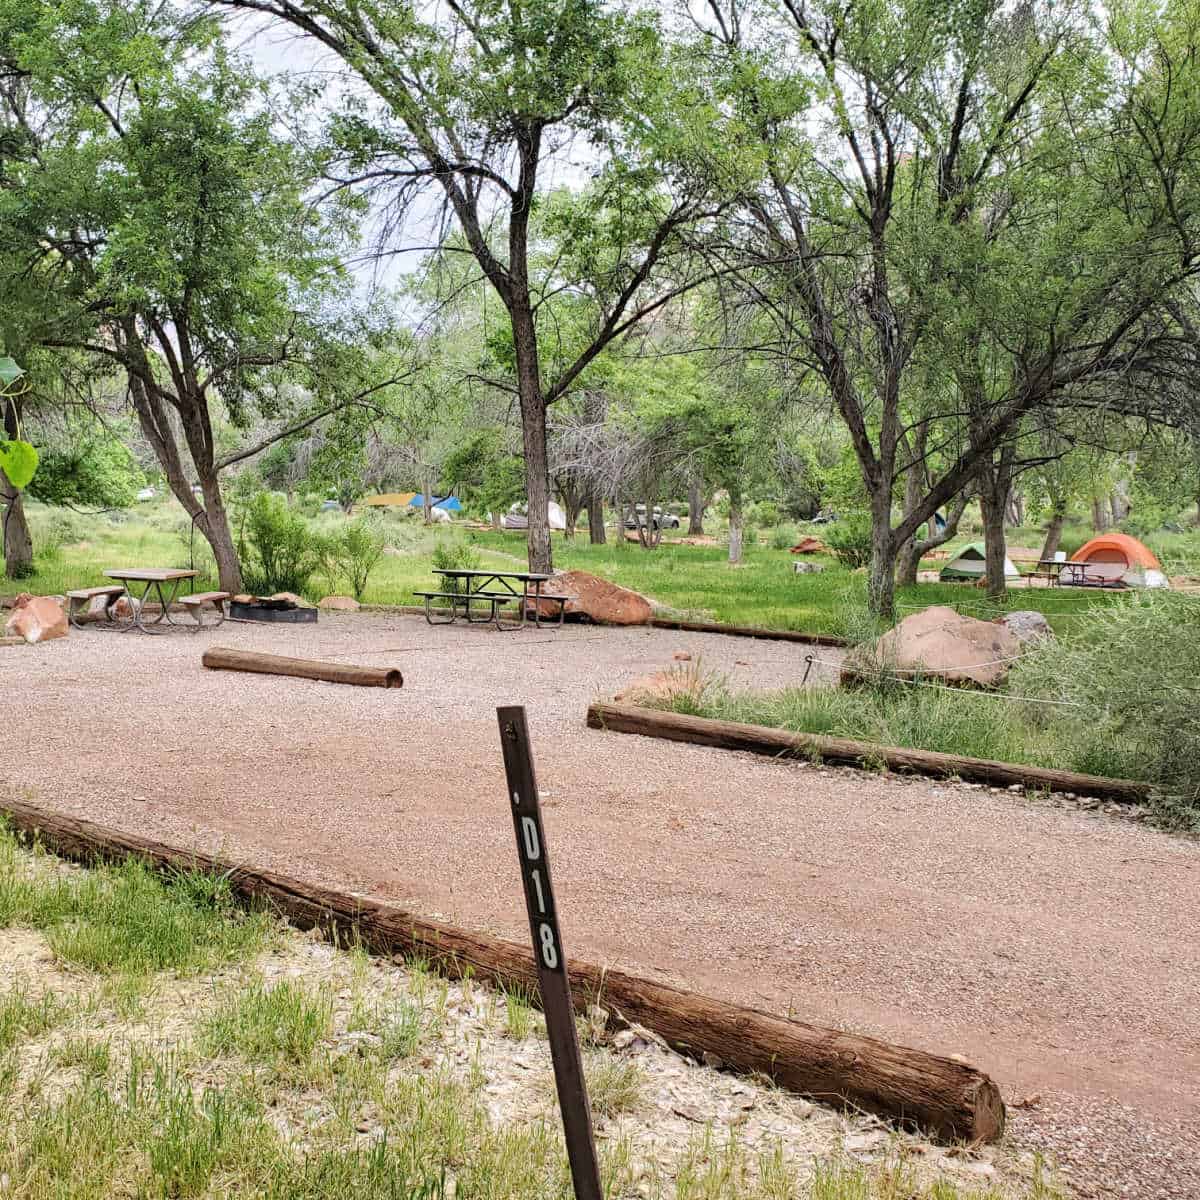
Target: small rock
714	1061
689	1112
859	1143
808	568
682	656
338	604
1027	625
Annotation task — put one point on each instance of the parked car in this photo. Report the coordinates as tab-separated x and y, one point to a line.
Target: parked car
658	519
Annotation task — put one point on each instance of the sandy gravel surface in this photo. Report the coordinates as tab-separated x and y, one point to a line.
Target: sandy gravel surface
1059	950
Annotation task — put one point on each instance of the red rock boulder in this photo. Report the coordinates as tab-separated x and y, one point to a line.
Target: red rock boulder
810	545
37	619
596	598
941	644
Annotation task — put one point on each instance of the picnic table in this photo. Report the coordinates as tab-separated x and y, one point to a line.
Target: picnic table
486	591
1071	573
150	579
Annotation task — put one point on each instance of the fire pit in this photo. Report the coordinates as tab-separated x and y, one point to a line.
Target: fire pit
269	608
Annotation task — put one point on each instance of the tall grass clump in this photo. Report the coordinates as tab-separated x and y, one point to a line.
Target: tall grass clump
128	918
1128	687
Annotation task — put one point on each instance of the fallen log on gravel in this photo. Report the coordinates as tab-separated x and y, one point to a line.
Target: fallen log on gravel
945	1096
751	631
762	739
225	658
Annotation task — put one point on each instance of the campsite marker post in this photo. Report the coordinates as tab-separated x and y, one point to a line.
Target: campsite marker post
548	954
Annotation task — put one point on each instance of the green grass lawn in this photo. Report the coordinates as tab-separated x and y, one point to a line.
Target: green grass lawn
73	551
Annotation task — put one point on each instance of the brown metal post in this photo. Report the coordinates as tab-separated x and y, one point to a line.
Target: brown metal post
548	953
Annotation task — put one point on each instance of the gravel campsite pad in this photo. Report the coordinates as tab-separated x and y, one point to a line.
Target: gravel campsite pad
1056	948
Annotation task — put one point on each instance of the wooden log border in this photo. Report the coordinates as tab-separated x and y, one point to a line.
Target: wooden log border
750	631
945	1096
783	743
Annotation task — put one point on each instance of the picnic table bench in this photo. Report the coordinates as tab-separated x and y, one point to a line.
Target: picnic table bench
80	597
486	591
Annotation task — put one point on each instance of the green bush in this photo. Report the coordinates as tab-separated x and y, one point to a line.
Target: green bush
355	552
783	537
849	538
1128	684
278	549
454	556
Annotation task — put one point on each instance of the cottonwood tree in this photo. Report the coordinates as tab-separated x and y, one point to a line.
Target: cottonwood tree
481	102
151	218
1009	196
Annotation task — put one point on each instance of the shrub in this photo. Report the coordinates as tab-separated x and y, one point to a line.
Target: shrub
783	537
279	552
355	552
849	539
1129	686
455	556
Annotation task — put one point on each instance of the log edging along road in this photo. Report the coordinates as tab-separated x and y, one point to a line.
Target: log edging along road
783	743
945	1096
750	631
226	658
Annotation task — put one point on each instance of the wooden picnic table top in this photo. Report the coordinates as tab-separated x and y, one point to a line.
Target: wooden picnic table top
151	574
464	572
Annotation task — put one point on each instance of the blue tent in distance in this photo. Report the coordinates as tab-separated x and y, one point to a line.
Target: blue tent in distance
449	503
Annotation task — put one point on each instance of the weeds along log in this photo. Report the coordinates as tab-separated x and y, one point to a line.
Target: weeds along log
749	631
947	1097
782	743
224	658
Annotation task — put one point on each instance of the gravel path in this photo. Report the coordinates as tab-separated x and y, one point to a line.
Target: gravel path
1059	950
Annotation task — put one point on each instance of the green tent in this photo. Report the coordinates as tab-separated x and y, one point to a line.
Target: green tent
970	563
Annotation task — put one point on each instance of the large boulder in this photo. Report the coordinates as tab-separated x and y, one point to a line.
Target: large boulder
1027	625
37	619
338	604
941	644
596	598
810	545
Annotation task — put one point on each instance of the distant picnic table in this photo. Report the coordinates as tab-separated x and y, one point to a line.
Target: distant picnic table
484	592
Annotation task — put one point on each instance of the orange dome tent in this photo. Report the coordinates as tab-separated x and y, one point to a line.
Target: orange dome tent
1121	559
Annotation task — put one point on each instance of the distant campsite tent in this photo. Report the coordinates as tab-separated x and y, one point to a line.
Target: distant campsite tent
1119	558
449	503
388	500
515	518
971	563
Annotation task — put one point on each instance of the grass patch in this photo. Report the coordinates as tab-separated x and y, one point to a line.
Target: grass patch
128	919
615	1085
283	1024
24	1016
960	721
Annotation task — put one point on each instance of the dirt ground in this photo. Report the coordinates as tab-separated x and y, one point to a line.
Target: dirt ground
1058	949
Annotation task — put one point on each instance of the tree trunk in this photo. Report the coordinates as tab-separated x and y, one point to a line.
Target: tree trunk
1099	514
1016	509
881	573
695	509
1054	532
595	510
995	549
533	436
735	529
214	524
18	542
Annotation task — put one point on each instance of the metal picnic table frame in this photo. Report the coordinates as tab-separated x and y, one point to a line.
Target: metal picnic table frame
479	584
154	579
1076	574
